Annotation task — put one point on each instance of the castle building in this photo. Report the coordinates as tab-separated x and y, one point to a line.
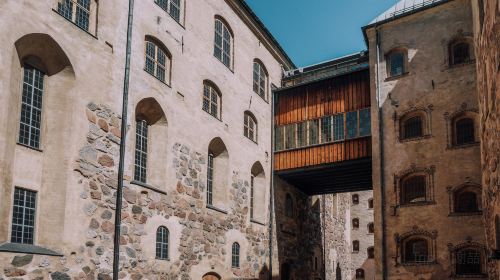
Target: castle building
426	134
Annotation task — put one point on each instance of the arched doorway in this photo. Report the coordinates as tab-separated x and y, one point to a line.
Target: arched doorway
338	272
211	276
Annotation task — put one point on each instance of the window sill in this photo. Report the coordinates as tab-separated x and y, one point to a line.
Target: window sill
146	186
463	146
475	276
28	249
211	115
163	82
321	144
460	65
255	142
424	203
228	67
459	214
29	147
262	97
419	263
93	36
257	222
392	78
211	207
163	260
414	139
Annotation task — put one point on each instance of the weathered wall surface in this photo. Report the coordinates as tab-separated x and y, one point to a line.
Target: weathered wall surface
440	91
487	31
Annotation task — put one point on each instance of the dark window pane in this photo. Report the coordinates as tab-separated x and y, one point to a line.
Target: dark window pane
289	206
416	251
352	124
23	216
326	130
397	64
460	53
290	136
464	130
412	128
364	122
413	190
313	132
466	202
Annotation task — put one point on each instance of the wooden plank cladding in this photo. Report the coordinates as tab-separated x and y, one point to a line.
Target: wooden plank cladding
323	154
340	94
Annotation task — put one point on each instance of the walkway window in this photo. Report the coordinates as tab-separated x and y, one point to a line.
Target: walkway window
352	124
338	127
413	190
162	236
289	206
223	42
158	60
76	11
464	131
416	251
326	129
365	122
141	151
459	53
235	257
250	126
211	100
23	216
31	107
260	79
468	262
172	7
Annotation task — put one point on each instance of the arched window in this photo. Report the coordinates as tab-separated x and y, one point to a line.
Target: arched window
258	184
371	228
158	60
355	199
355	246
31	107
396	61
260	79
355	223
172	7
217	172
211	100
223	44
459	53
370	203
289	206
468	262
250	126
80	12
412	127
370	252
464	131
415	251
235	256
360	273
141	150
413	189
162	236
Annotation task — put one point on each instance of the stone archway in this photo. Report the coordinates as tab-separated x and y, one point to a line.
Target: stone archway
211	276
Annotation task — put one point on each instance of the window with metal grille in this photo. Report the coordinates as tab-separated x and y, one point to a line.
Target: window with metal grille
23	216
370	204
223	43
416	251
250	127
259	79
371	252
76	11
355	223
289	206
460	53
290	136
210	178
157	61
413	190
211	100
313	132
338	127
141	151
31	107
497	231
235	256
355	246
466	202
412	128
278	138
326	130
172	7
360	273
371	228
301	134
352	124
252	178
364	122
468	262
397	64
162	236
355	199
464	131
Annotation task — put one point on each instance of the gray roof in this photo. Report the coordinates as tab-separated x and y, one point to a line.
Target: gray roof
405	7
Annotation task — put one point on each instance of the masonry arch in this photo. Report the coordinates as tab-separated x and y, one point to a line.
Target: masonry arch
258	190
217	173
211	276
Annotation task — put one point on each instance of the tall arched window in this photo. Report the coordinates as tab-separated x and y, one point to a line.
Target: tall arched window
217	172
416	251
141	150
468	262
158	60
162	236
211	100
223	44
258	188
260	79
413	189
355	246
31	107
459	53
360	273
250	126
289	206
464	131
235	256
172	7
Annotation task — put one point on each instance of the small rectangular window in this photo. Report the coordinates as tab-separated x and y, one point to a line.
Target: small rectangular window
338	127
31	107
326	129
290	136
278	138
352	124
364	122
313	132
23	216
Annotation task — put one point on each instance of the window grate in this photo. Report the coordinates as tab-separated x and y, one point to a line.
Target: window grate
210	178
460	54
31	107
23	216
77	11
288	206
235	256
464	130
468	262
141	151
416	251
352	124
412	128
162	236
466	202
223	43
414	190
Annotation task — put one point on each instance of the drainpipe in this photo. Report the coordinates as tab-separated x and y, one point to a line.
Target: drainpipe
324	235
123	134
381	163
271	196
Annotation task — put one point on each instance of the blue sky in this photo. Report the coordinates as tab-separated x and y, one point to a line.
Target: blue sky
313	31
